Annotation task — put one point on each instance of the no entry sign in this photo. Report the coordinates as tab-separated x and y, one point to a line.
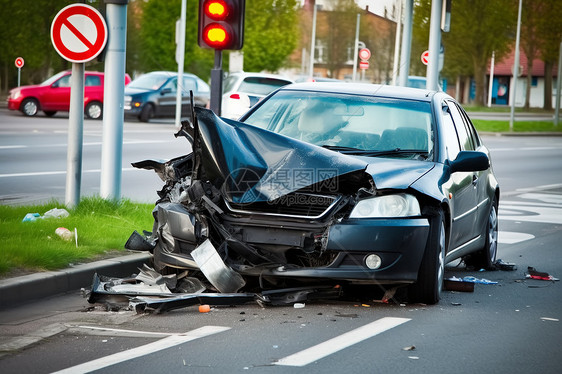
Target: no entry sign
79	33
19	62
425	57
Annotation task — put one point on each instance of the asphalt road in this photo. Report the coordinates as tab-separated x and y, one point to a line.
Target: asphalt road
509	327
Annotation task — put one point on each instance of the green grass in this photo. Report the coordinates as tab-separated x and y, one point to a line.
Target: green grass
103	227
518	126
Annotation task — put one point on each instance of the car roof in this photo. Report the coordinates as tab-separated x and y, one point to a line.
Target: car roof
367	89
170	73
262	75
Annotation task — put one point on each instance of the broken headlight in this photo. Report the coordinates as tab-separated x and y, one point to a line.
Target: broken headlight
399	205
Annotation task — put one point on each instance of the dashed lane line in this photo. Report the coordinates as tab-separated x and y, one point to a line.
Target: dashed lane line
343	341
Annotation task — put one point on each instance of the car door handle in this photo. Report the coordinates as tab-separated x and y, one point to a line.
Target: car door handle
474	180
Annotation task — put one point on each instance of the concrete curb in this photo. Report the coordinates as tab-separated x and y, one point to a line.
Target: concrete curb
20	290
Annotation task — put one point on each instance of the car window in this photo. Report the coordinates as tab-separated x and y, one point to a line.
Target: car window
189	85
261	85
471	130
92	80
202	86
171	85
354	121
229	83
63	82
450	136
149	82
465	139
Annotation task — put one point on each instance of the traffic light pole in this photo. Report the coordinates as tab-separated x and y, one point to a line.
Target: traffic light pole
216	83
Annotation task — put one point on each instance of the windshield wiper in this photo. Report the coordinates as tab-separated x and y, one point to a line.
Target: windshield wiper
341	148
388	152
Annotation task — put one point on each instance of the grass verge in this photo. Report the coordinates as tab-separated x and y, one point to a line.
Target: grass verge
518	126
103	227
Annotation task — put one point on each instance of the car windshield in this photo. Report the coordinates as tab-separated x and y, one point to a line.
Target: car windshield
55	77
352	124
258	85
149	81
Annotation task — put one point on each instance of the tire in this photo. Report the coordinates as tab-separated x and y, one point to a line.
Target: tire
486	257
147	113
429	285
94	110
50	113
29	107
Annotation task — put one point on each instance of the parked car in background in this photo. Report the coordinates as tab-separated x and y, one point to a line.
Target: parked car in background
242	90
419	82
154	95
330	183
53	95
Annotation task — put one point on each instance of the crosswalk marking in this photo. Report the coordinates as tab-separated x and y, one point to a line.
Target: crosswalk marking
338	343
143	350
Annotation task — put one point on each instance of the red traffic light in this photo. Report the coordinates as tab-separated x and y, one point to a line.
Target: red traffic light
221	24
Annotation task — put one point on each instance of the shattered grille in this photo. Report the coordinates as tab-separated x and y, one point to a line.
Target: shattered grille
295	205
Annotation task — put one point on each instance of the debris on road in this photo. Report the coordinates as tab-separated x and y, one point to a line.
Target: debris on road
457	284
507	266
534	274
472	279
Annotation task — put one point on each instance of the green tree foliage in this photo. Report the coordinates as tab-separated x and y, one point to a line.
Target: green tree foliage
549	27
271	34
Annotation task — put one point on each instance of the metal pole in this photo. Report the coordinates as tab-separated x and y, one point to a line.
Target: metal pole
558	84
75	136
216	84
180	56
397	43
434	45
19	75
490	85
406	43
313	42
515	69
356	52
114	97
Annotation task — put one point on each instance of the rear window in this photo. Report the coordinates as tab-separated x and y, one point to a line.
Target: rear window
92	80
260	85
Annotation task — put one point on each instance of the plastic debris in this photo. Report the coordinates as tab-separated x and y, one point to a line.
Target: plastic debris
64	233
56	213
30	217
298	305
206	308
409	348
472	279
457	284
502	265
550	319
534	274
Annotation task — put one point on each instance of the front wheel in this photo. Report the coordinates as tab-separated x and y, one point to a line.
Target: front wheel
94	110
429	285
30	107
147	113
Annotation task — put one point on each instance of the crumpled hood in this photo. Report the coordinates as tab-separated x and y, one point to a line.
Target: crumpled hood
249	164
396	173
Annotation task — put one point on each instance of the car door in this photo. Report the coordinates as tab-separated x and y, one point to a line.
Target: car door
166	100
57	97
461	186
189	84
93	89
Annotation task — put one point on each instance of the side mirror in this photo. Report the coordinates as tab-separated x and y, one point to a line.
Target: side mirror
165	91
470	161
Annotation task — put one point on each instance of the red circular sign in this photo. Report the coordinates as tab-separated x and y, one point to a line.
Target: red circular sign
19	62
425	57
364	54
78	33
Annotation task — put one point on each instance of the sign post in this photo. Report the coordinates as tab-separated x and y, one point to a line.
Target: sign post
79	34
19	64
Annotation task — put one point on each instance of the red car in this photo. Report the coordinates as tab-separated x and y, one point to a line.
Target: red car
53	95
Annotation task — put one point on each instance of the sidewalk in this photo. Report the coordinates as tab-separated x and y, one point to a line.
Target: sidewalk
20	290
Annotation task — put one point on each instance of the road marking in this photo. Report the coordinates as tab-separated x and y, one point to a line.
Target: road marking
338	343
143	350
126	142
524	149
525	213
506	237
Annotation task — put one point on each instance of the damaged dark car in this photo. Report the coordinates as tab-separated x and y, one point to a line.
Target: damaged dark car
327	183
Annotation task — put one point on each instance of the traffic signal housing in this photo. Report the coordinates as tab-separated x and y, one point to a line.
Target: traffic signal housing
221	24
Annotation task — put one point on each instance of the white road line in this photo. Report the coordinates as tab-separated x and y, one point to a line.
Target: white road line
338	343
144	350
507	237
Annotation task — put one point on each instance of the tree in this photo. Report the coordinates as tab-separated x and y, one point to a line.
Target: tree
549	27
270	34
530	39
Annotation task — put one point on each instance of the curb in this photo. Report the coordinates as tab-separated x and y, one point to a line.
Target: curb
20	290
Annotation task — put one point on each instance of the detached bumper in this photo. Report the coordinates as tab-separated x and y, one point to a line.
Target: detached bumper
400	243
